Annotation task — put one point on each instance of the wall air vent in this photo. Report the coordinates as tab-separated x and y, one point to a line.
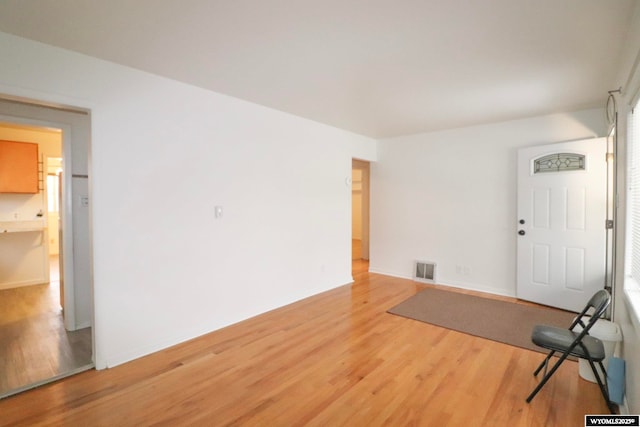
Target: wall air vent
424	271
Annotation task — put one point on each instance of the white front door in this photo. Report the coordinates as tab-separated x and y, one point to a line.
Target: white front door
561	222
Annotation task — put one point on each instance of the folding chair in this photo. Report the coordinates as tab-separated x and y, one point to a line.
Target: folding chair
571	343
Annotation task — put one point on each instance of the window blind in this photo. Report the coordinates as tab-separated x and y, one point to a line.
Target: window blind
633	194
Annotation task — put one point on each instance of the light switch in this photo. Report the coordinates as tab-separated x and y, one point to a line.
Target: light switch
218	211
84	201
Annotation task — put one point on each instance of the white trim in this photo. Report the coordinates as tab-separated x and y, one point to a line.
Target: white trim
624	408
83	325
633	82
66	218
636	96
631	298
12	285
38	98
630	84
452	284
389	273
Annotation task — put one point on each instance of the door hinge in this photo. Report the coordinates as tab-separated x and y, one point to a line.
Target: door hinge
608	224
608	157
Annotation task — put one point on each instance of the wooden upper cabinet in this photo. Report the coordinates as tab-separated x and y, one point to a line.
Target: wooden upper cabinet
18	167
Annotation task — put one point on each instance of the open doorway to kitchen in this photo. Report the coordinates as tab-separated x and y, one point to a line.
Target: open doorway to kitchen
43	335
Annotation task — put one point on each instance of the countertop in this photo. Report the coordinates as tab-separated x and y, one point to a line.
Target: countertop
21	226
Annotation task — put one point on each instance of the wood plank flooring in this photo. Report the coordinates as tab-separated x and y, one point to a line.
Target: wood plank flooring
335	359
34	345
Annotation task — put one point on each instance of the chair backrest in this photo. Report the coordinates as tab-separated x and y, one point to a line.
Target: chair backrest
599	303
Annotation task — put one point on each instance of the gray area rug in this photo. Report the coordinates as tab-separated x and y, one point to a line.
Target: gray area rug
505	322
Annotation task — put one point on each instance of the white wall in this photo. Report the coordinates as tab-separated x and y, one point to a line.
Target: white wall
163	155
450	197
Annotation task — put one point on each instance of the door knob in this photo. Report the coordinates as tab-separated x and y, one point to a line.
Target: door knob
521	232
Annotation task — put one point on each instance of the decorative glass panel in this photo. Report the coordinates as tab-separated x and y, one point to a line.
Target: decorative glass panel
559	162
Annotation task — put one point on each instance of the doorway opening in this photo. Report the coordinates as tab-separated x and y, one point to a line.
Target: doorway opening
360	177
46	305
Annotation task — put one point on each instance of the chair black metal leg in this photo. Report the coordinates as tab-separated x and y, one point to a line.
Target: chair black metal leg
547	376
544	363
601	384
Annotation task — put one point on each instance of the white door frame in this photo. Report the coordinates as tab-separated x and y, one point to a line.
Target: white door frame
75	124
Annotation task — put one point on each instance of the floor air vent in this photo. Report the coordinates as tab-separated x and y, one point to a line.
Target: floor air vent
425	271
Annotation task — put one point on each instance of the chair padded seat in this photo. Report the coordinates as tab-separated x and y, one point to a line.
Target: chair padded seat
560	339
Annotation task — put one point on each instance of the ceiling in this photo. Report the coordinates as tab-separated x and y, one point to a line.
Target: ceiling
379	68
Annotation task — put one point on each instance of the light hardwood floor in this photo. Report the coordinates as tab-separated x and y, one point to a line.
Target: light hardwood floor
335	359
34	345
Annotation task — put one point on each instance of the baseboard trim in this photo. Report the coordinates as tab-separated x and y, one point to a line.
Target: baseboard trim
451	284
624	408
12	285
118	358
388	273
82	325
